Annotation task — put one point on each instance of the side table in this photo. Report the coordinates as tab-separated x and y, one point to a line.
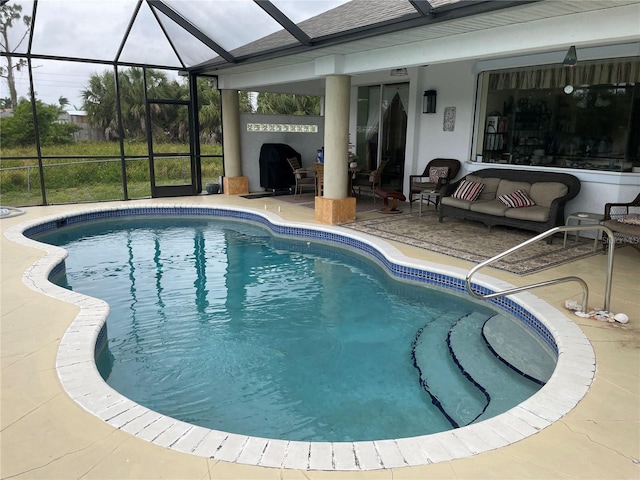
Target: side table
427	194
580	217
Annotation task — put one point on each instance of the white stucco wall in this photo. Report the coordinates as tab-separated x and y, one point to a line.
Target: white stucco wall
455	84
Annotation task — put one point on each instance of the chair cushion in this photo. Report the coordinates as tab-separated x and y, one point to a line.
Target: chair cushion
517	199
436	173
624	228
631	219
468	190
419	186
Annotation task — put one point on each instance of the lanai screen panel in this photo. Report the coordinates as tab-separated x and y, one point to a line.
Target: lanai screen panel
78	29
230	24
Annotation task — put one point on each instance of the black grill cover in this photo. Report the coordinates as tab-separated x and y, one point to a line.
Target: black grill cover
275	171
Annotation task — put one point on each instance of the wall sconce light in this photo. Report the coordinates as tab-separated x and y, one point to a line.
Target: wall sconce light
571	58
429	101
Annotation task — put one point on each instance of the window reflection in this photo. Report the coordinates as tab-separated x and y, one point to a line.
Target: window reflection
555	116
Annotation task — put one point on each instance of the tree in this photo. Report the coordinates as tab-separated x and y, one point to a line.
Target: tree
208	112
18	130
99	101
8	15
288	104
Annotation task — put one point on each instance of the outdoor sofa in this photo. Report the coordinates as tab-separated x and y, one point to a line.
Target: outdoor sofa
526	199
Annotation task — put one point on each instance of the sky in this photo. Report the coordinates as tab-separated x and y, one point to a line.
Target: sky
95	29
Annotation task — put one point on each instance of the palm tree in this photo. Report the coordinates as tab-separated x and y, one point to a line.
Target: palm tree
288	104
99	101
208	112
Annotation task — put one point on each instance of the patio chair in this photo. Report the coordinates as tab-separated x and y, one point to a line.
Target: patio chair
624	220
370	180
305	178
437	173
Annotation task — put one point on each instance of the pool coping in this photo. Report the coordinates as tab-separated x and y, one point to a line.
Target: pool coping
78	374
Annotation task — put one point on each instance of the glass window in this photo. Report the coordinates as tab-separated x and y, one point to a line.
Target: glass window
580	117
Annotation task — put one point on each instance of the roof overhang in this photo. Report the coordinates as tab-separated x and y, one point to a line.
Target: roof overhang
516	29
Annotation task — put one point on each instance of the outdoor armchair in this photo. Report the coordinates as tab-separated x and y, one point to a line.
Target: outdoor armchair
305	178
370	180
624	220
438	172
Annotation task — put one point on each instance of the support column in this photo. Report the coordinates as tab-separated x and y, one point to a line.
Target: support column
233	182
336	206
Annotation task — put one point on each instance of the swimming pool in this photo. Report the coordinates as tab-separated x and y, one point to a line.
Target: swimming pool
560	394
220	324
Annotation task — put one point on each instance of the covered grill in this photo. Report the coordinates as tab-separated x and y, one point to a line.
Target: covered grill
275	171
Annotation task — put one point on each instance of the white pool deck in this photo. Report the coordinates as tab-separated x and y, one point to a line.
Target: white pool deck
47	434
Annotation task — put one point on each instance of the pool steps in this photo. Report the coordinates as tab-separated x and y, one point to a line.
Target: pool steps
475	373
459	400
480	365
515	346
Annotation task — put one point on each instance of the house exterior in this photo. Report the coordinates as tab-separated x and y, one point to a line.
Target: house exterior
80	118
488	71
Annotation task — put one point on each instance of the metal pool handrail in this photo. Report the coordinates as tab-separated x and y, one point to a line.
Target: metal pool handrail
548	233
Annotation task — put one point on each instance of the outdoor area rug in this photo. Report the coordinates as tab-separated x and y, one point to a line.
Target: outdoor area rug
473	241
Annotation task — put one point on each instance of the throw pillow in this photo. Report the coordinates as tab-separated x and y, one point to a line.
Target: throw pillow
631	219
517	199
436	173
468	190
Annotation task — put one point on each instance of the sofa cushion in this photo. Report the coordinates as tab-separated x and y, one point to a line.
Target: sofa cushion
536	213
544	193
490	207
456	202
518	199
490	186
509	186
468	190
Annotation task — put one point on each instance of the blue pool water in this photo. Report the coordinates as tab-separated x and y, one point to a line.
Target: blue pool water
220	324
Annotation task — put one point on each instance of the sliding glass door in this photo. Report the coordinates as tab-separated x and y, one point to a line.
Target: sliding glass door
382	130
